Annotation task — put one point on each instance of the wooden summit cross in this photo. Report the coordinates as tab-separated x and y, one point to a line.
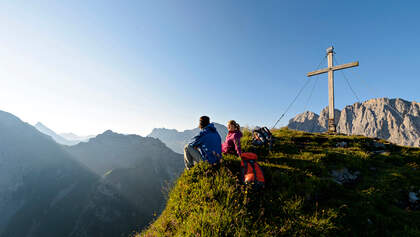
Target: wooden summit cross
330	69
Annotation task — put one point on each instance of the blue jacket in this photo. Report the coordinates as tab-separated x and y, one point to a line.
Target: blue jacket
209	143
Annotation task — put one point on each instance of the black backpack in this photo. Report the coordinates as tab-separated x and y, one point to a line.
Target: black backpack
262	136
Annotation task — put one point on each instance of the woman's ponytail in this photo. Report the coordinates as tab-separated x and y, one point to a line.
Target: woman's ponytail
235	124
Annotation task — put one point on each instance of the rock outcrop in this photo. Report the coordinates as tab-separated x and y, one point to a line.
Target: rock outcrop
395	120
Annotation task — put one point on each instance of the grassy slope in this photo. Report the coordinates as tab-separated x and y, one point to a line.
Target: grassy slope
300	198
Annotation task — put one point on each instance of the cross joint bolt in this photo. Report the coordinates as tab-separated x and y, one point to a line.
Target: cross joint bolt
330	50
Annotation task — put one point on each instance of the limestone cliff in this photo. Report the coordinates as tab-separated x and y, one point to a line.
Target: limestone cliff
395	120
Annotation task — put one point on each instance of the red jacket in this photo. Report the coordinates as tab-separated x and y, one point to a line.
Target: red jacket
232	144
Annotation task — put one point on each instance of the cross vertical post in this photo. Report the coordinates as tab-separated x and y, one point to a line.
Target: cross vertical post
331	121
330	69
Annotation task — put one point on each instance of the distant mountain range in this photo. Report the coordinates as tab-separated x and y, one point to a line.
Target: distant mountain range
176	140
68	139
134	170
108	186
57	138
74	137
395	120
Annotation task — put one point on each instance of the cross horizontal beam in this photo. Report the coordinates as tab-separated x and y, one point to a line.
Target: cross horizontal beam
334	68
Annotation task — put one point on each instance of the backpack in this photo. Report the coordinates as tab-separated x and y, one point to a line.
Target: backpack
262	136
251	172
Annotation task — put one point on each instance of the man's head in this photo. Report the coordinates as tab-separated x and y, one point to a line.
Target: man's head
204	121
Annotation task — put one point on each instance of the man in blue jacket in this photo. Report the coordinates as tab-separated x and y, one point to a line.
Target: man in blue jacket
206	146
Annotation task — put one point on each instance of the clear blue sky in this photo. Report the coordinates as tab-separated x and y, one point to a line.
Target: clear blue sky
130	66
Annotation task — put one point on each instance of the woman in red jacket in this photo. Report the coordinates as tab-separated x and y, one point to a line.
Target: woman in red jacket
232	144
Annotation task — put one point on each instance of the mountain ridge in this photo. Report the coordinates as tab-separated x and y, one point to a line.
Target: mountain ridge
133	168
395	120
48	190
57	138
74	137
36	176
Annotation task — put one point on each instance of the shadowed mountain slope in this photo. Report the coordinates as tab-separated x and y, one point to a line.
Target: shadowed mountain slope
109	151
42	188
46	190
133	168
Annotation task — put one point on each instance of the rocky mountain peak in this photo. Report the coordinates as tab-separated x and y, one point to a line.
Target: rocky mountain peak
39	124
395	120
110	133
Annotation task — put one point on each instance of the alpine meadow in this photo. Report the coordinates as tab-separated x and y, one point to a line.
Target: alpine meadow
209	118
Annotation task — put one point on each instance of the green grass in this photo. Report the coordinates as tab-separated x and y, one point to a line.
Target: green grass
300	198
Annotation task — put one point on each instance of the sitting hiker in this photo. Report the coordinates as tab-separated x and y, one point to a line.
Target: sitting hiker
232	144
205	146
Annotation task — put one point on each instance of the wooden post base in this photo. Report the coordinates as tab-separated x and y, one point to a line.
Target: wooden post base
331	126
